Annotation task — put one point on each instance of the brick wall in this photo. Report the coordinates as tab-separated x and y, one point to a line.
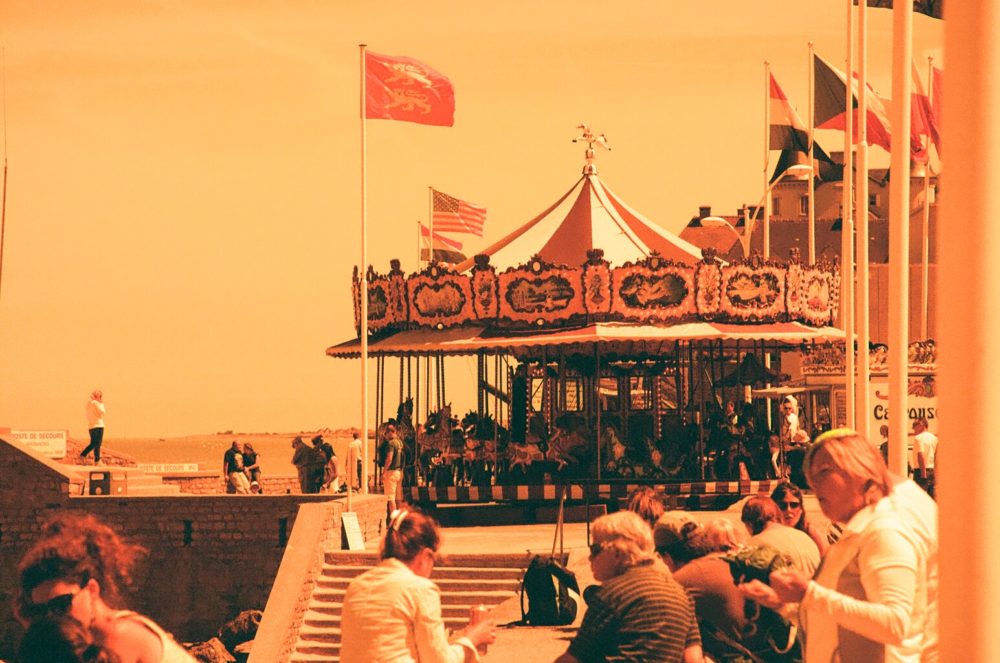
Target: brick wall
212	483
210	556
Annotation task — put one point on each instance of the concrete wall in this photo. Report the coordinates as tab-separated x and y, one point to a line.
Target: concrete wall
212	483
210	556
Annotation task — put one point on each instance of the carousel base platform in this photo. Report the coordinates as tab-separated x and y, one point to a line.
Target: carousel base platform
692	496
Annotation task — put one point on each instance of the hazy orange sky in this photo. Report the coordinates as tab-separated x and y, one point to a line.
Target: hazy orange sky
183	198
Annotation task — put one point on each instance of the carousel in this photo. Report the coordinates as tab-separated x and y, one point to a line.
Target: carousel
609	353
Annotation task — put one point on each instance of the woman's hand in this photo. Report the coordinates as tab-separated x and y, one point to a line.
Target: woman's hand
790	584
760	593
481	633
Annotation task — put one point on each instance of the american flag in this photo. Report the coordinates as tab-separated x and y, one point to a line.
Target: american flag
457	216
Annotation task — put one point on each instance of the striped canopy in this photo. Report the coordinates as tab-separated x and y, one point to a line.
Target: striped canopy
588	216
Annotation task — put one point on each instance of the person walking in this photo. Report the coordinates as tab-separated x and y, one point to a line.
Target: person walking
95	425
392	465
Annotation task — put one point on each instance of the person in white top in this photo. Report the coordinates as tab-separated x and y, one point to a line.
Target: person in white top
76	571
392	613
925	445
95	425
354	452
872	599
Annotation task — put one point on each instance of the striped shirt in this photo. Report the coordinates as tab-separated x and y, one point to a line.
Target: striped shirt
643	615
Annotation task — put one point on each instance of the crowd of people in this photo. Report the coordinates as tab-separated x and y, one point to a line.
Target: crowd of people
780	590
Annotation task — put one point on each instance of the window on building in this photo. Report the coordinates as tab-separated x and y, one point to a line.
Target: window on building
804	206
776	206
874	199
537	394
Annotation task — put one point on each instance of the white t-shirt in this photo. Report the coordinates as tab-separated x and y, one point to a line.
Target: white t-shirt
926	442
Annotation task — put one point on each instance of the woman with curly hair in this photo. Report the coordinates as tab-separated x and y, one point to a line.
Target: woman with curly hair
78	569
788	497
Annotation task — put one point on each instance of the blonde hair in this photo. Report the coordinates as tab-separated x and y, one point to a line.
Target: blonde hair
856	457
723	534
628	533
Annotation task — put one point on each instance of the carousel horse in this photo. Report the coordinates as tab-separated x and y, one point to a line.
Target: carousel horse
615	452
566	445
437	432
523	455
482	437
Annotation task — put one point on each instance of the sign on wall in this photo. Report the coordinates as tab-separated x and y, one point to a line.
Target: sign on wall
49	443
921	401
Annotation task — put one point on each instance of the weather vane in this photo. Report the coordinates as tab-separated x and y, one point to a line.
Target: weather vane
590	168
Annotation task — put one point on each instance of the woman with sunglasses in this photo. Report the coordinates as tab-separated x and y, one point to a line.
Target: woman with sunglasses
871	599
393	612
788	497
639	613
77	569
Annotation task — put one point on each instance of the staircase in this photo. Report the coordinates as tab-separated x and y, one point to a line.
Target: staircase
465	580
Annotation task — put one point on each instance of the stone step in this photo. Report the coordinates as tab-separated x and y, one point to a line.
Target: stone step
453	584
327	653
483	560
320	614
327	596
440	573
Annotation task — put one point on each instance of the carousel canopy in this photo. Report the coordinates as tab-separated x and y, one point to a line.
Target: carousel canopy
586	217
613	336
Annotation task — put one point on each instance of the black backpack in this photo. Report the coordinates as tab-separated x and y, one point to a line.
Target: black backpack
546	583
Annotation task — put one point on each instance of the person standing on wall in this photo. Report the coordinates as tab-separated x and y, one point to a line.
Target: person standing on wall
925	444
392	465
95	425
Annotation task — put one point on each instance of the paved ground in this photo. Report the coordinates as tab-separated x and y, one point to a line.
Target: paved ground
524	644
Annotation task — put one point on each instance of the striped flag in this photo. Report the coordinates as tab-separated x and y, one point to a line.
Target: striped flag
457	216
922	121
830	99
445	249
789	135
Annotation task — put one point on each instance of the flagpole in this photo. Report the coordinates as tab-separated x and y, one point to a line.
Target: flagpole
847	228
862	396
899	232
811	189
420	239
767	157
364	287
3	201
925	240
430	223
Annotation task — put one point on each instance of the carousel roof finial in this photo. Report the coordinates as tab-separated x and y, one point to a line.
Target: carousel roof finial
589	167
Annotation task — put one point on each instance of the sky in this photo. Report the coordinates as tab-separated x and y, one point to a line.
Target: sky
183	195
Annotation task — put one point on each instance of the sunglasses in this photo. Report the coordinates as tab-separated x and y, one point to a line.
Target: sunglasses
785	506
57	605
596	548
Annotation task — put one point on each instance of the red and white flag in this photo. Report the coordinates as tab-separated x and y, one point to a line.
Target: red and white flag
445	249
830	99
457	216
401	88
922	121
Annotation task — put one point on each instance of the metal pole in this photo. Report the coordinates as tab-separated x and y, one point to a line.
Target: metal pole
847	228
863	409
364	287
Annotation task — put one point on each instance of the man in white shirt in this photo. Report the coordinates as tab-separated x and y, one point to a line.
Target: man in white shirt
925	447
95	425
354	452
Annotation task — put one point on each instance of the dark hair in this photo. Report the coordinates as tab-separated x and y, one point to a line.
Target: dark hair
409	532
758	512
689	545
647	503
61	639
77	548
784	489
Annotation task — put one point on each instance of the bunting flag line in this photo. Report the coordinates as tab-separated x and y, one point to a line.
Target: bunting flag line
789	134
404	89
445	249
457	216
831	97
